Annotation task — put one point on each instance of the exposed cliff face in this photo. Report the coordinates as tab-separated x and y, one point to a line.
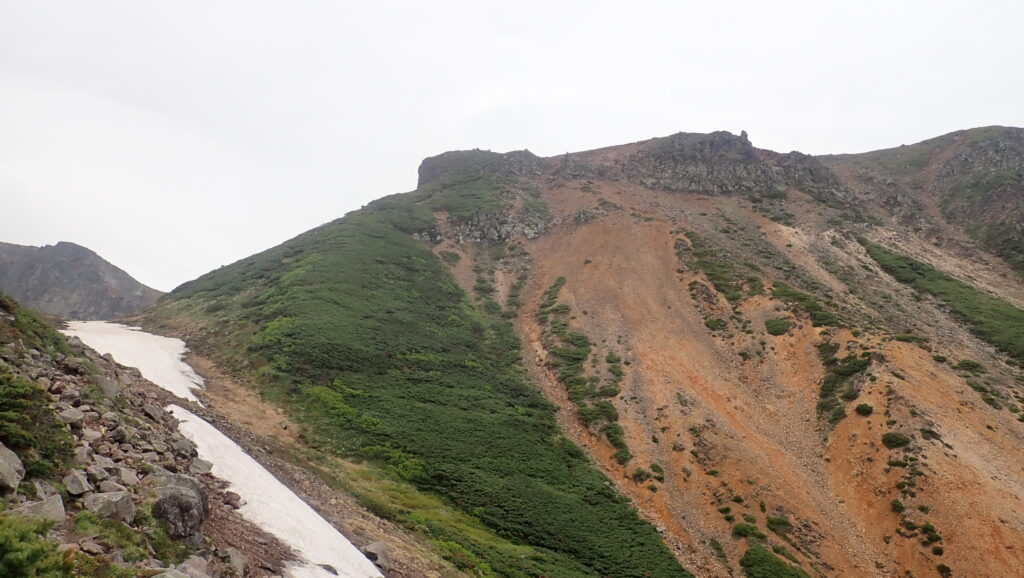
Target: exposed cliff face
70	281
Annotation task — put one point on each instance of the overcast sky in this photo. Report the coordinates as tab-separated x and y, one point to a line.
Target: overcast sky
176	137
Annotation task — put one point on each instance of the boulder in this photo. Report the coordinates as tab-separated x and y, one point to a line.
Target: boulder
237	560
115	505
378	553
51	508
172	574
71	415
183	446
96	474
11	469
90	435
77	483
200	466
82	454
181	502
155	412
127	476
195	567
110	387
111	486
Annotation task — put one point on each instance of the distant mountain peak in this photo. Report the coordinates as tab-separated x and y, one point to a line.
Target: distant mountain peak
71	281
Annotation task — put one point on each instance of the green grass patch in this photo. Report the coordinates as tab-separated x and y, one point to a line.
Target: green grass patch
777	326
820	317
758	562
990	318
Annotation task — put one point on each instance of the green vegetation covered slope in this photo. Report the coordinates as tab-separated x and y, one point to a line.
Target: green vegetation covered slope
990	318
366	335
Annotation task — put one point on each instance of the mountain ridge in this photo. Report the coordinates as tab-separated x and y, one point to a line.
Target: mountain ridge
70	281
729	334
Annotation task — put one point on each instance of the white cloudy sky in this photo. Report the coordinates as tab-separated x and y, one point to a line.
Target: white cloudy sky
175	137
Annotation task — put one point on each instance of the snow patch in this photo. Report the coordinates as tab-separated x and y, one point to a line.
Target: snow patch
268	503
158	358
273	507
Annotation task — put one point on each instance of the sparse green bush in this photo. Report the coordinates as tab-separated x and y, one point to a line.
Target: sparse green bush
25	551
640	475
897	506
29	427
758	562
716	324
777	326
779	525
743	530
893	440
864	409
969	365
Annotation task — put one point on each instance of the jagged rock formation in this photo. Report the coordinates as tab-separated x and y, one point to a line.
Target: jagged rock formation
70	281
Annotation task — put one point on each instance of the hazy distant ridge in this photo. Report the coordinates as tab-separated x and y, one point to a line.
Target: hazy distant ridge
71	281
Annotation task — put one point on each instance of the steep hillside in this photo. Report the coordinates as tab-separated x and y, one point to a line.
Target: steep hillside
971	179
70	281
783	372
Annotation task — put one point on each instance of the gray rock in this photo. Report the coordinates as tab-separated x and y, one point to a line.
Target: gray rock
11	469
237	560
51	508
111	486
153	411
81	456
90	547
103	462
124	434
43	489
200	466
77	483
96	473
172	574
90	435
116	505
195	567
181	502
71	415
378	553
184	446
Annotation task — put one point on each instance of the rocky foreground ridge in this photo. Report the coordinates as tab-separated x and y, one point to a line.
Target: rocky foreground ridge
70	281
88	448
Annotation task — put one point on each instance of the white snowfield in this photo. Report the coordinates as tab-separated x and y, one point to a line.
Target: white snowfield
158	358
267	502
